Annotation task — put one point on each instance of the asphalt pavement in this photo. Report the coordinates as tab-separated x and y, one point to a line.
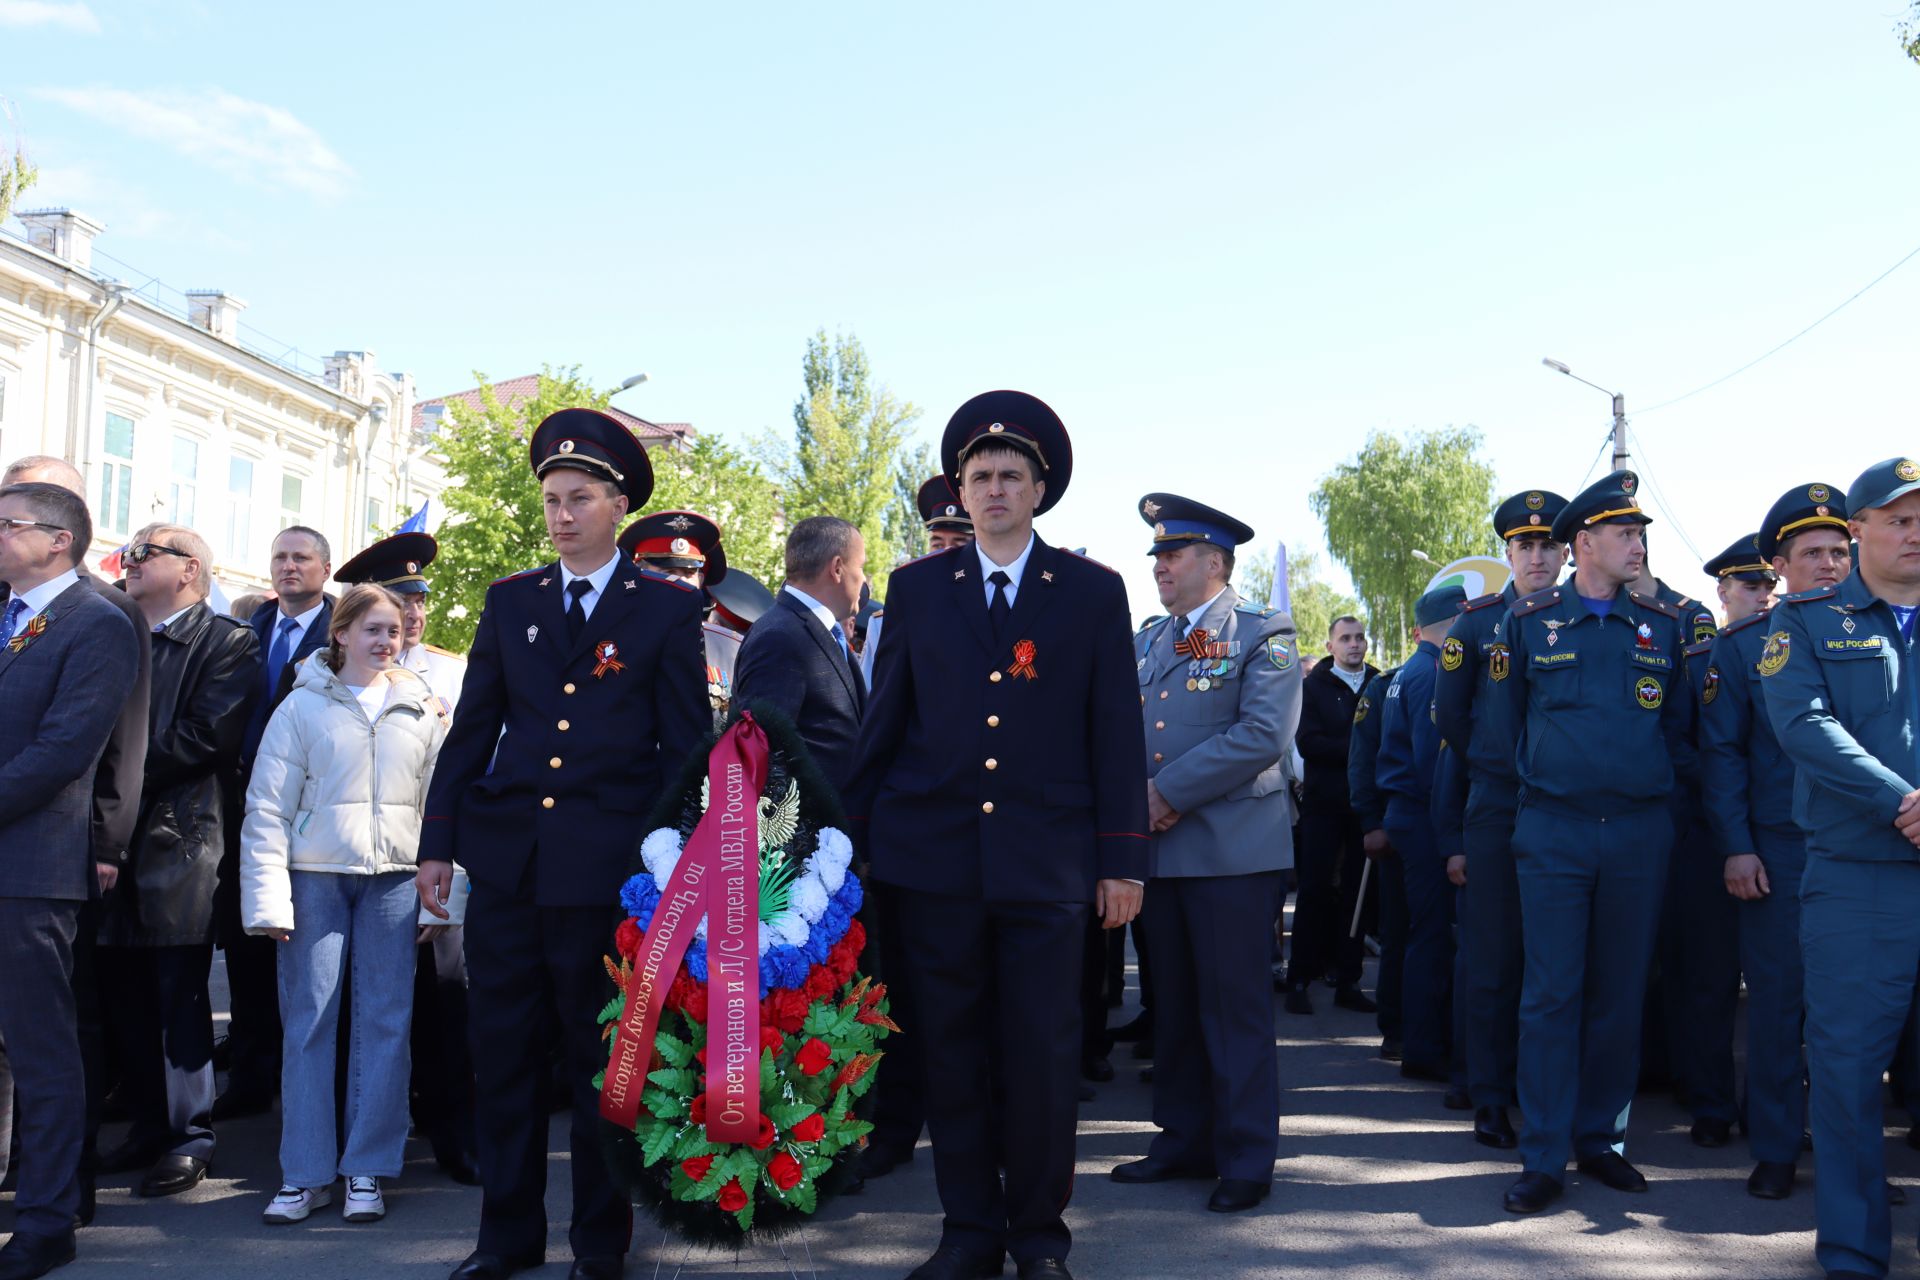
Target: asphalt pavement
1375	1179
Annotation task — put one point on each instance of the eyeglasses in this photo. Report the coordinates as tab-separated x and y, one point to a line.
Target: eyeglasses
148	550
15	522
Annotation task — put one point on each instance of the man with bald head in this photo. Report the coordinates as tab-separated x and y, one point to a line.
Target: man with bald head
116	803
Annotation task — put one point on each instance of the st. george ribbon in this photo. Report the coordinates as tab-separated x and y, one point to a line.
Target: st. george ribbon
718	876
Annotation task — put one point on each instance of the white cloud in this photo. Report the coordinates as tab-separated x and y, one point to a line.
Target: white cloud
70	14
125	209
251	140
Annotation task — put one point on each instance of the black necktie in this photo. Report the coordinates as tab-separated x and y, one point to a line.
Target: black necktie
1178	630
576	611
999	608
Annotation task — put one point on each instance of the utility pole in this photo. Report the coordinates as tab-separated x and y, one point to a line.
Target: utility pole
1619	411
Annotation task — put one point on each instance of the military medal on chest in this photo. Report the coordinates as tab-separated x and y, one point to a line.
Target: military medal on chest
1643	637
1553	631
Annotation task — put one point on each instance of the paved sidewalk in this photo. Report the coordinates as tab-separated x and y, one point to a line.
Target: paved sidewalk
1375	1179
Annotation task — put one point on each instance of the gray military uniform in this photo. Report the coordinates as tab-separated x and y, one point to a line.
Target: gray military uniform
1219	719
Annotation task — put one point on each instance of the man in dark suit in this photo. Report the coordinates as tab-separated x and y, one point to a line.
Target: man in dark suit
159	926
68	660
288	628
593	670
797	657
116	804
1001	786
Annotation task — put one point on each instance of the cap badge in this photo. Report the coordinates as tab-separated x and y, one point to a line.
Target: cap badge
1627	483
413	566
566	446
952	510
1150	509
607	660
680	522
1535	501
1908	470
1533	519
1822	511
1159	530
1819	493
996	428
681	546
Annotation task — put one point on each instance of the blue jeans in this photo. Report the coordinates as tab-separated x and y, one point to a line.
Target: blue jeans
368	921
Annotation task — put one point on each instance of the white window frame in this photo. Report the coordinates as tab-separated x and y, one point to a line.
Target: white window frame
185	513
294	515
116	475
239	541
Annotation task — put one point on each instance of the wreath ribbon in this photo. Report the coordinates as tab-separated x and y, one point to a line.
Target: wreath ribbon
718	876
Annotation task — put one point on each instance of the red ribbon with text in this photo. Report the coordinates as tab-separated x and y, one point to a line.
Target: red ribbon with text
718	875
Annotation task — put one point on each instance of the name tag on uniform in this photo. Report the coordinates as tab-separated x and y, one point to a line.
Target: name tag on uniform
1848	644
1564	659
1658	661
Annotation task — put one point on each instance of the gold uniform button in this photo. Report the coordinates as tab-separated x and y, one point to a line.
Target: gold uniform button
567	688
547	802
1159	724
554	763
987	807
563	726
994	676
992	763
993	722
1157	757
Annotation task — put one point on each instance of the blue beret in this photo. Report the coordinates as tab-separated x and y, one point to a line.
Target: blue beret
1439	604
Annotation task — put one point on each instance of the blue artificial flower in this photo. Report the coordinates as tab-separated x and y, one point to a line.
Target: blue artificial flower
639	895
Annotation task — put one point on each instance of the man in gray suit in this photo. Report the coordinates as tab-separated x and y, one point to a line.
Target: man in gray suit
68	660
1220	695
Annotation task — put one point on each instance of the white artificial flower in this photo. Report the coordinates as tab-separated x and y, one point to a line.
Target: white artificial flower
808	897
834	848
788	928
766	941
661	852
831	871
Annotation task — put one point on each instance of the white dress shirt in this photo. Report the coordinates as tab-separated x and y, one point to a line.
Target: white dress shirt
817	609
300	624
40	597
1013	571
599	578
1193	619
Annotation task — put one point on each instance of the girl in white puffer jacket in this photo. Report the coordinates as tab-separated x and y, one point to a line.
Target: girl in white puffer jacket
327	863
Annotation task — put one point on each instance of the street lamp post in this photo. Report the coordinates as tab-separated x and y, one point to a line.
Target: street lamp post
629	384
1619	411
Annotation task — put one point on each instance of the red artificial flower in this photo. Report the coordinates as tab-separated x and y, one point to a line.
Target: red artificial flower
697	1168
821	983
697	1109
814	1056
812	1129
770	1038
763	1139
628	937
785	1171
701	1057
786	1010
732	1198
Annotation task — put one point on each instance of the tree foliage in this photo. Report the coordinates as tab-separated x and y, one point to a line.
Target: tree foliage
1908	31
17	173
1429	491
720	481
849	456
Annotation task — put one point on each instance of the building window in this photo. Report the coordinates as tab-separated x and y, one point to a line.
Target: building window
289	501
185	482
239	509
374	524
116	476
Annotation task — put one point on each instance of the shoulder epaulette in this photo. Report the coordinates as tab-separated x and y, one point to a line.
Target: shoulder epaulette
929	556
878	613
524	573
1152	622
1802	597
1699	650
1538	600
1748	621
445	653
652	575
1481	602
1089	560
1654	603
1258	611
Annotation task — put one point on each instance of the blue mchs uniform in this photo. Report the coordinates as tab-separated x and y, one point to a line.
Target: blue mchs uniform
558	750
1747	780
1409	749
1598	710
1491	959
1841	684
1370	803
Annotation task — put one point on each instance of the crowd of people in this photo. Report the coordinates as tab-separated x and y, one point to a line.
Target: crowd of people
1578	816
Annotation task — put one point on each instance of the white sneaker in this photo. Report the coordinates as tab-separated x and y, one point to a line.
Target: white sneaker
364	1203
293	1204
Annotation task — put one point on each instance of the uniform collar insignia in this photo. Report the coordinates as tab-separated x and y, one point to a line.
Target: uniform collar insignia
630	584
1046	575
959	574
548	581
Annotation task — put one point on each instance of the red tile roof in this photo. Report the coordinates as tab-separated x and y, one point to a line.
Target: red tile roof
518	390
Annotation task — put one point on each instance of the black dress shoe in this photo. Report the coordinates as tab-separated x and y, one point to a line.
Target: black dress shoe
25	1257
1140	1028
1423	1071
481	1265
1390	1049
235	1104
1611	1168
128	1156
1044	1269
1097	1068
1235	1194
879	1160
1354	999
1457	1100
1771	1180
1298	1001
1086	1093
1151	1170
597	1269
1896	1194
1532	1192
1492	1128
1709	1131
172	1174
1143	1047
950	1262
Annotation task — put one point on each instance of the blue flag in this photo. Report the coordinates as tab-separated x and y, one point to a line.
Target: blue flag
417	522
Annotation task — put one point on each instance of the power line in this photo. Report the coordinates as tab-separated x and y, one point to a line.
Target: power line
1790	341
1600	453
1660	496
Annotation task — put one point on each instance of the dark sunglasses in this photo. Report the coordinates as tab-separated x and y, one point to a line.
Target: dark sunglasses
148	550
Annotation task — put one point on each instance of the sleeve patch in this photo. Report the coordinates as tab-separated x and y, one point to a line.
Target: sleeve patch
1452	654
1774	655
1280	652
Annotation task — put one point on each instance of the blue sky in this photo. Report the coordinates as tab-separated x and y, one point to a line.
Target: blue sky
1224	242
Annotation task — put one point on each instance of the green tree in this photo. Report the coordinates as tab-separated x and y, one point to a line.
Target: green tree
849	456
1315	602
1430	491
1908	31
17	173
720	481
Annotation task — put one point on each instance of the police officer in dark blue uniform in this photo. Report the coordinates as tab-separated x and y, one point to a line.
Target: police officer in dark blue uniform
585	690
1595	700
1489	899
1747	782
1370	806
1838	673
1001	787
1409	748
